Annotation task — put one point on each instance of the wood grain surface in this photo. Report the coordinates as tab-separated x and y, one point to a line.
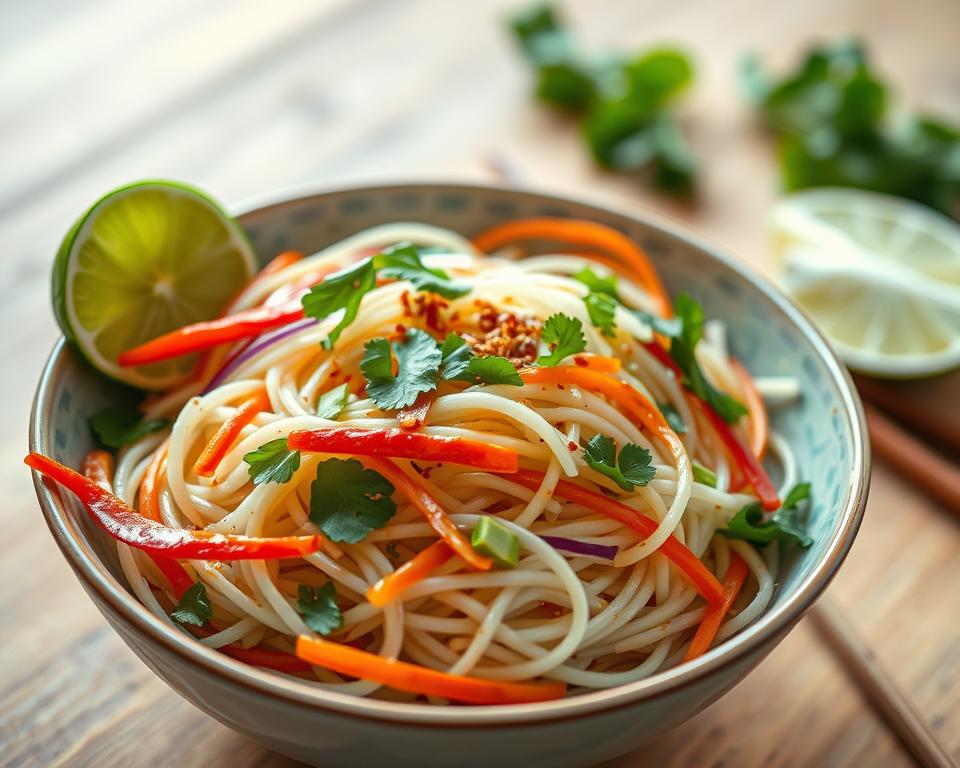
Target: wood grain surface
244	97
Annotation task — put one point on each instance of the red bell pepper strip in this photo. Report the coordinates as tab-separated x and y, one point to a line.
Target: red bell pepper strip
425	563
210	333
125	524
680	555
416	679
744	460
713	617
402	444
431	509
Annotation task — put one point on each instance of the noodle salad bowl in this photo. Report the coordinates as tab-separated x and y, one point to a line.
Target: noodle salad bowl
818	436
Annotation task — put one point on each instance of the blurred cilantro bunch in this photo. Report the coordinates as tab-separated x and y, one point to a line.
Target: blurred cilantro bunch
830	117
623	100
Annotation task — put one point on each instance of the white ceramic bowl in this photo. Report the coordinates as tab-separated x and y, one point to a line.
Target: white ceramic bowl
767	331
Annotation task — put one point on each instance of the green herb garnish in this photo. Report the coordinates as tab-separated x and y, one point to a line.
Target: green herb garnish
341	290
783	525
628	470
331	403
402	262
602	310
318	608
672	415
272	462
116	427
598	284
830	116
418	361
564	336
493	539
347	501
623	100
194	607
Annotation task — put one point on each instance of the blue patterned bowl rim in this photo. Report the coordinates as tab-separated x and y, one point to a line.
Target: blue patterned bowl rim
759	637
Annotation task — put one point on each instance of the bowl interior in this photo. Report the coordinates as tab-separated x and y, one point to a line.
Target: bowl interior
765	330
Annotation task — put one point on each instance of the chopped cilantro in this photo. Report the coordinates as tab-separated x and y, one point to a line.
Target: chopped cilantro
332	402
455	357
602	310
597	284
347	501
418	365
319	609
564	335
630	469
402	262
272	462
491	369
194	607
116	427
784	525
342	290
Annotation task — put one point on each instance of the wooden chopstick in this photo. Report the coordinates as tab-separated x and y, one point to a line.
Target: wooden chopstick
886	697
914	459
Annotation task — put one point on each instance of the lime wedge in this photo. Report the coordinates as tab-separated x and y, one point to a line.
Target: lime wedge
880	275
147	258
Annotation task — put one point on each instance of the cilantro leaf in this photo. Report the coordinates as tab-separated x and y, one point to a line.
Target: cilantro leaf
342	290
630	469
672	415
597	284
116	427
402	262
272	462
347	501
332	402
455	357
319	609
418	366
459	363
784	525
194	607
602	311
669	327
564	335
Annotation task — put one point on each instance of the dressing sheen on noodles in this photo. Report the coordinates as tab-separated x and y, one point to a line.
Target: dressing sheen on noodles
518	564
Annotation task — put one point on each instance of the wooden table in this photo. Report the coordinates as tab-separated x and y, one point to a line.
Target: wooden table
242	97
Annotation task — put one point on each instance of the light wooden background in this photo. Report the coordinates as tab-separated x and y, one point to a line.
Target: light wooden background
243	97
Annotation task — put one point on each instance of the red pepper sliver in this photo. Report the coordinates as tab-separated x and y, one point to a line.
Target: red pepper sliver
125	524
403	444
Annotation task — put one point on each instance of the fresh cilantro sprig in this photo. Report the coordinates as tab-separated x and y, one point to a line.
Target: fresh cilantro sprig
194	607
418	363
564	336
344	290
602	310
830	116
318	608
115	427
331	403
784	525
347	501
628	469
459	363
272	462
623	101
597	284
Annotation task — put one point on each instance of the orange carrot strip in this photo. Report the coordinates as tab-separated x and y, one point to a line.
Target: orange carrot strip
713	617
679	554
425	563
581	233
220	443
149	505
598	363
416	679
756	409
432	510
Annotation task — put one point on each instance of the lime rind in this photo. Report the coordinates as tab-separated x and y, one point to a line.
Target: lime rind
120	279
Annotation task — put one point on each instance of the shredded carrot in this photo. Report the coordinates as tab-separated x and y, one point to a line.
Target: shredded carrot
598	363
220	443
416	679
425	563
432	510
149	505
733	581
679	554
98	467
582	233
756	409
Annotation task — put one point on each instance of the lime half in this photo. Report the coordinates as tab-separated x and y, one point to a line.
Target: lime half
880	275
146	259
